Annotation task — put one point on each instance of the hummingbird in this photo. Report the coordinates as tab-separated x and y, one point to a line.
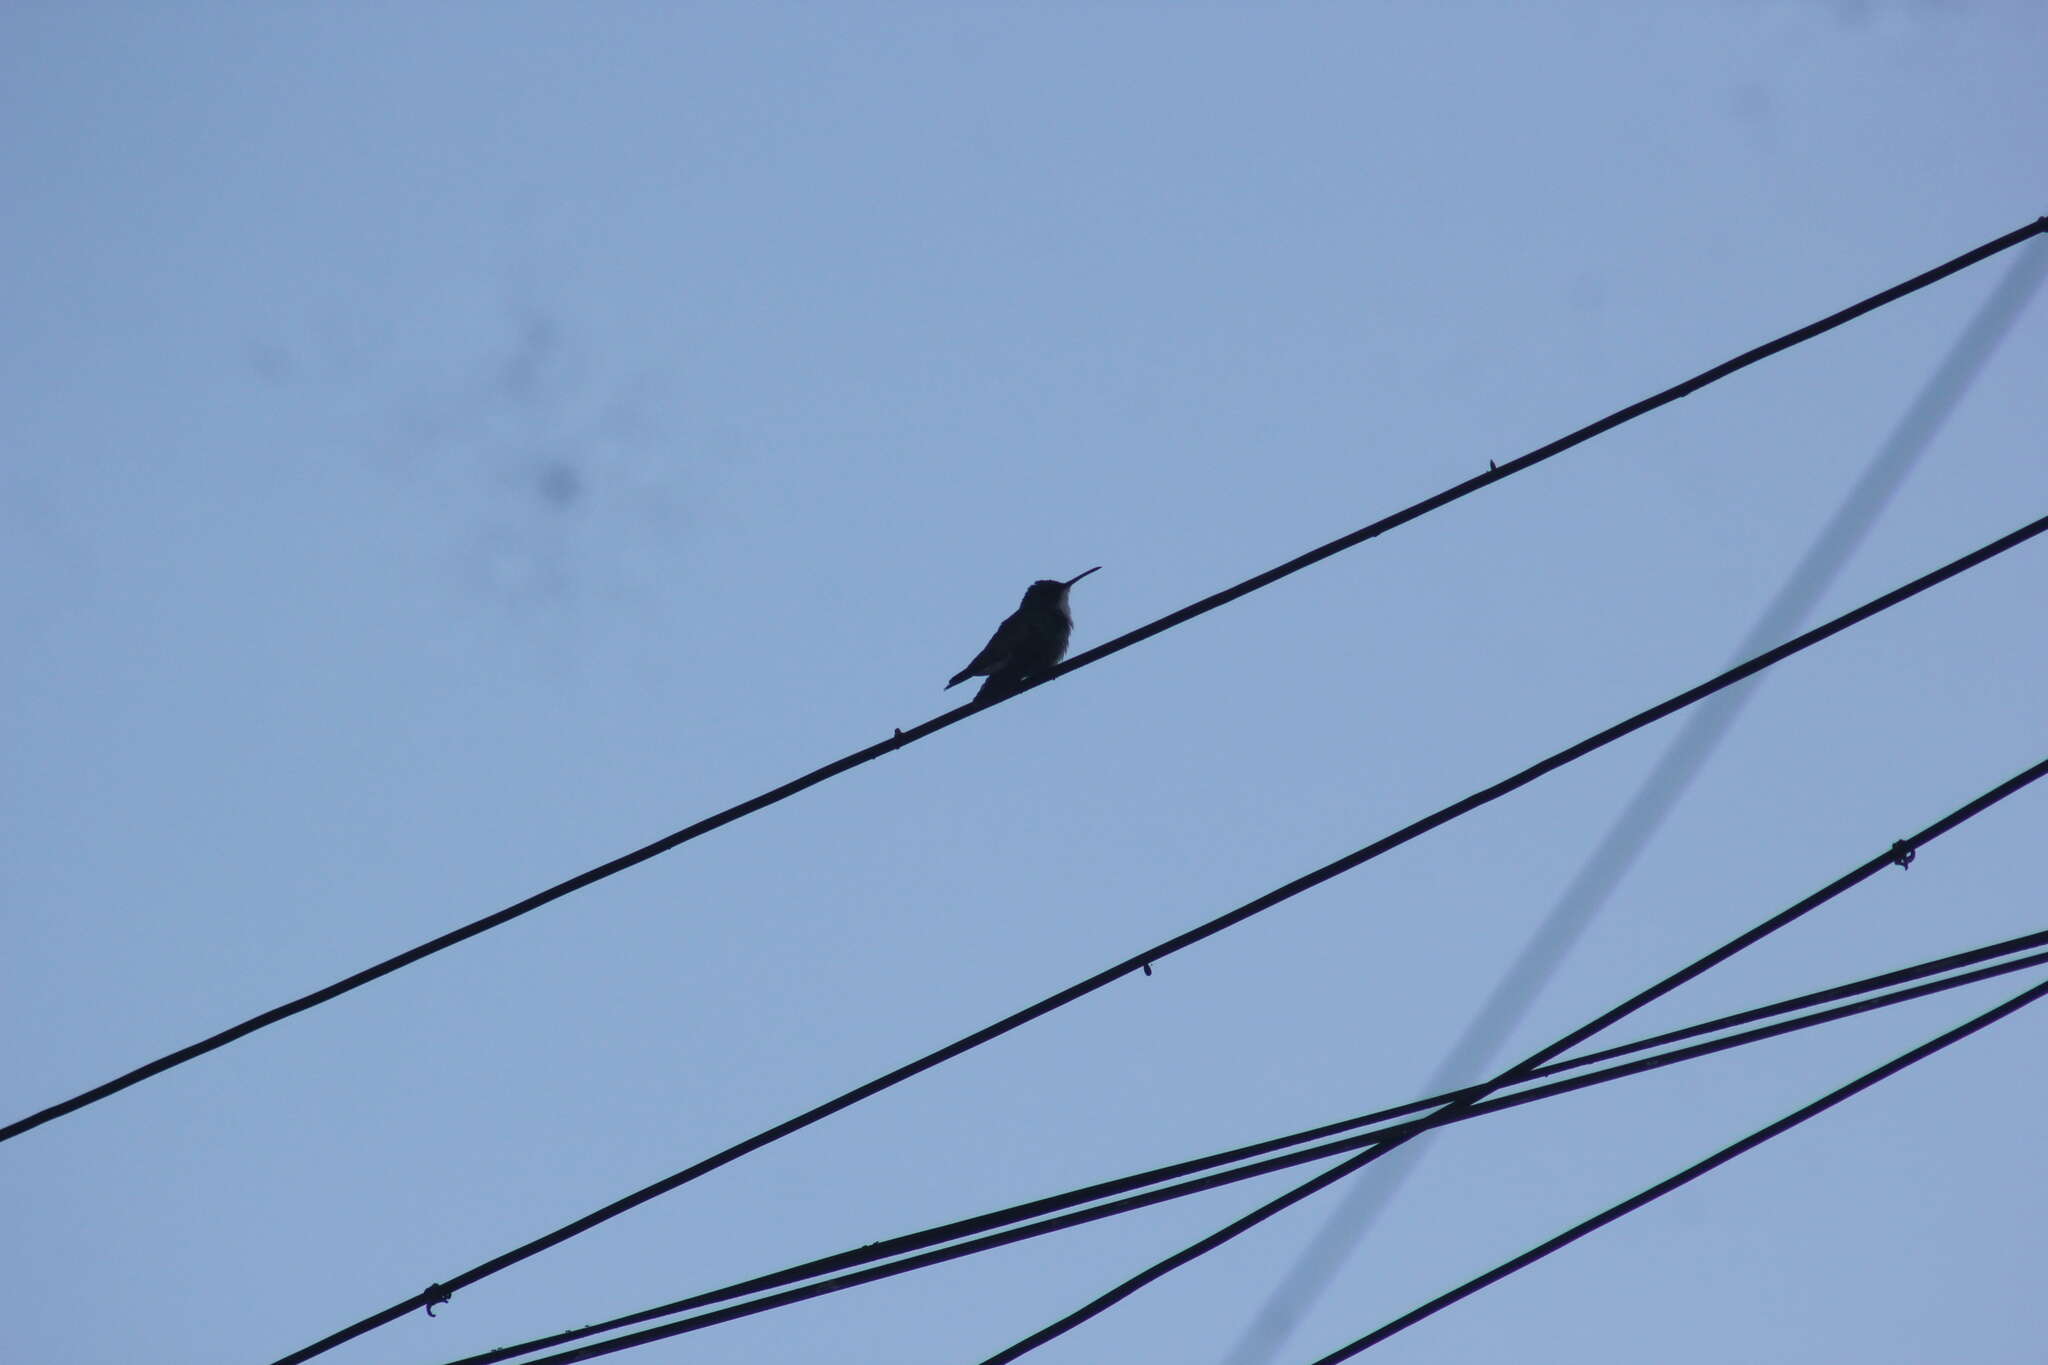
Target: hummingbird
1030	641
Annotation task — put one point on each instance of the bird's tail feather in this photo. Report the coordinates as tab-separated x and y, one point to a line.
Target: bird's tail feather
1001	683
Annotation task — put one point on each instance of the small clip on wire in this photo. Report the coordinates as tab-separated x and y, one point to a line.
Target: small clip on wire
1902	854
435	1294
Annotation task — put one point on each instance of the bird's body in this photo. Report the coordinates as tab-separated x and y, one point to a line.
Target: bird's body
1029	642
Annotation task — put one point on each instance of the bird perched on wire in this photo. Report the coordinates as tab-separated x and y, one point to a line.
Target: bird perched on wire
1027	644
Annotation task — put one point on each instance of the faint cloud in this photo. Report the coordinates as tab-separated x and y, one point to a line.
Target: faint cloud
559	483
272	362
545	479
552	469
339	343
538	364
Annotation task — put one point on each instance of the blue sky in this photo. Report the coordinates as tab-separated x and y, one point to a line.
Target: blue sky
447	446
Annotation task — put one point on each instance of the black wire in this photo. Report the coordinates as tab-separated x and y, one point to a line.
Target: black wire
1164	1193
1661	789
1689	1174
1899	854
2023	945
1011	1225
1082	660
437	1293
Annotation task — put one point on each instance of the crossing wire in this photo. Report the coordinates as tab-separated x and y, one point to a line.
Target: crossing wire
1006	1227
438	1293
1690	1173
1660	791
1900	854
682	836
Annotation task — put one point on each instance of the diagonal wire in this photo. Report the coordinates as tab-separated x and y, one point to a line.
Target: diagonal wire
1662	788
1900	854
866	1256
1690	1173
1005	1227
682	836
438	1293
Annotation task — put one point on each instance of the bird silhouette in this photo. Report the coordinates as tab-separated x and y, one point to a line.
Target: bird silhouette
1030	641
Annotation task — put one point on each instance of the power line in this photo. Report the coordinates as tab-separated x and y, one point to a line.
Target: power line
1661	790
1690	1173
1008	1226
903	737
1900	854
1876	990
1018	1230
437	1293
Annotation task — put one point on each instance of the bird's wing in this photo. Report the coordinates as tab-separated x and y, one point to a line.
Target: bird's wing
994	654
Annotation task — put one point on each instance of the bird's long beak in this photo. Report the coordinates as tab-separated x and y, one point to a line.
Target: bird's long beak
1079	576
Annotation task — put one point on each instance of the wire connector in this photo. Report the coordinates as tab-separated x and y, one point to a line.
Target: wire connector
434	1294
1903	854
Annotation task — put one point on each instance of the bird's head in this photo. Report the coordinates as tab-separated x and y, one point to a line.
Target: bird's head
1052	590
